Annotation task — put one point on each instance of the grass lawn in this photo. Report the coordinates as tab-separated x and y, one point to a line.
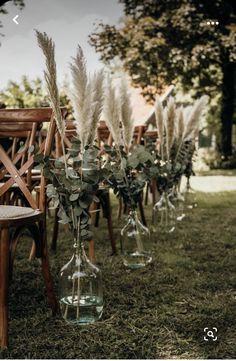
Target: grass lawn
156	312
226	172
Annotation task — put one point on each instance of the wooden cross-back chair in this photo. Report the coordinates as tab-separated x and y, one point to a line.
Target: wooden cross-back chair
102	194
16	133
20	123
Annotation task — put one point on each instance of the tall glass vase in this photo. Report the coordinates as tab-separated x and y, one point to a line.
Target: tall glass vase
135	239
177	199
80	288
190	197
164	215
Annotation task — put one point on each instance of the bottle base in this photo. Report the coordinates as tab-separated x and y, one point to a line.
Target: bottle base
135	261
89	311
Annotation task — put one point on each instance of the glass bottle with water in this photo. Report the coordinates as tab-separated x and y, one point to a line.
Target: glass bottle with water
135	238
164	215
80	285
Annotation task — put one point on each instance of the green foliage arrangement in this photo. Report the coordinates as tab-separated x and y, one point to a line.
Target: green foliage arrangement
74	178
127	173
177	132
72	189
129	166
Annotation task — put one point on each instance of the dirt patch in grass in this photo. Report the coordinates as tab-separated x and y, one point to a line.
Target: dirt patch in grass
156	312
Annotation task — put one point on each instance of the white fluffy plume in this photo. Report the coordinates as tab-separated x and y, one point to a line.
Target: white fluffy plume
48	48
98	98
193	120
179	125
126	113
82	97
159	122
169	121
112	112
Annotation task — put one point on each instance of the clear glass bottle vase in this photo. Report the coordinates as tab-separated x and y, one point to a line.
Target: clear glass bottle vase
80	289
177	199
190	197
164	215
135	240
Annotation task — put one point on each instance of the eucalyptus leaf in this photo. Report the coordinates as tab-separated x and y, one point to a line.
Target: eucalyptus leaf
73	197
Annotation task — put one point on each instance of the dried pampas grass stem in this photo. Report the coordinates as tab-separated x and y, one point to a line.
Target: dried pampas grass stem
50	74
82	98
48	48
112	113
160	124
98	98
192	125
126	114
170	116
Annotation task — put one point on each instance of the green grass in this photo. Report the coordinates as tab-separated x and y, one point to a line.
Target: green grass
156	312
224	172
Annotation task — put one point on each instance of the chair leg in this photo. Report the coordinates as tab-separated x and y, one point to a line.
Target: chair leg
119	209
55	232
52	300
13	245
4	285
91	251
35	234
154	191
146	194
109	224
96	224
140	203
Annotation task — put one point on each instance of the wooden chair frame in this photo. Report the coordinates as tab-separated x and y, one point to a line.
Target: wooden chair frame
37	219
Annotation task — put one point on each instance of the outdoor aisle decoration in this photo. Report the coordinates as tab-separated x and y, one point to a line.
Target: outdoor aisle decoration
129	166
74	180
177	131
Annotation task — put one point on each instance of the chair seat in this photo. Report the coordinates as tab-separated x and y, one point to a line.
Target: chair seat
14	212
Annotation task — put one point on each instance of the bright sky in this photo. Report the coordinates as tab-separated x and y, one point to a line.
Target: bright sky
68	22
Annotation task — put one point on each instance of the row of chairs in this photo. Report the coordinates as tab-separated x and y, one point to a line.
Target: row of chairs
22	192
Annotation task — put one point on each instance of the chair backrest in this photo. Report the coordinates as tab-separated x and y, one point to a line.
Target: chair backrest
139	132
16	166
103	135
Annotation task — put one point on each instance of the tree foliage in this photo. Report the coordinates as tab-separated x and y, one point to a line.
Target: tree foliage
28	94
171	41
163	41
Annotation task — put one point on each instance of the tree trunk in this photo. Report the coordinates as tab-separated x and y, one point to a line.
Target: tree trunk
228	95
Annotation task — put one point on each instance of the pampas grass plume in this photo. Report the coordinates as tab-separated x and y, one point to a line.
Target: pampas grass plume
159	120
82	98
126	113
192	125
50	74
112	112
98	98
169	117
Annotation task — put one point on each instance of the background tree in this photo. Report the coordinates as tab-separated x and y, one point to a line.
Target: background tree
29	94
171	41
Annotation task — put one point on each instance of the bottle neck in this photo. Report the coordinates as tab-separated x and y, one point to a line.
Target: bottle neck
134	219
133	214
77	244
